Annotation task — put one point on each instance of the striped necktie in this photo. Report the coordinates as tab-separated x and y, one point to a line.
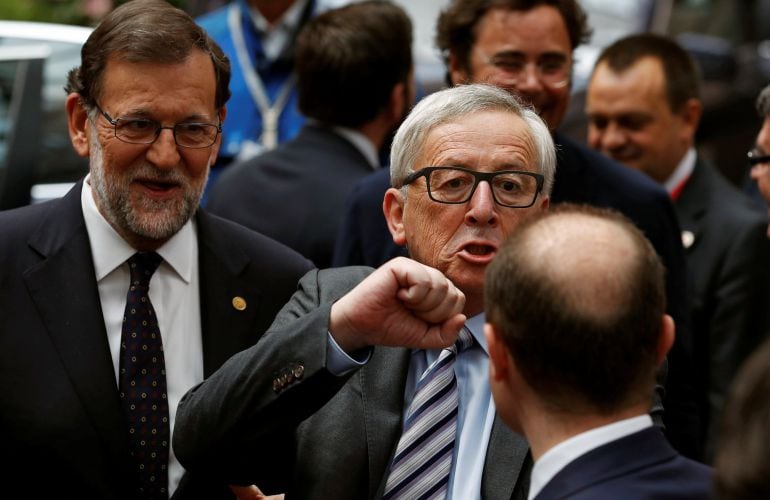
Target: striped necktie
423	459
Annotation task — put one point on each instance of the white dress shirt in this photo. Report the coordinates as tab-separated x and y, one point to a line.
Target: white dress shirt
682	171
174	295
558	457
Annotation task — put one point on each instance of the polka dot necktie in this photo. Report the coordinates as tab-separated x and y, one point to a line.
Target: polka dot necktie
423	459
142	382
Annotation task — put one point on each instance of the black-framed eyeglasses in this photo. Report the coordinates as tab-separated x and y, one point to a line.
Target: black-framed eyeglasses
143	131
756	157
455	185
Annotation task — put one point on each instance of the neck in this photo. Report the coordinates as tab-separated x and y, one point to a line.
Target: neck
272	10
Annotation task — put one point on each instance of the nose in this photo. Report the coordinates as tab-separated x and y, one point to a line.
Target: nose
164	153
482	209
528	81
612	138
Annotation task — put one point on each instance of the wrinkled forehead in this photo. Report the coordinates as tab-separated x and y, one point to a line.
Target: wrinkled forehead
486	141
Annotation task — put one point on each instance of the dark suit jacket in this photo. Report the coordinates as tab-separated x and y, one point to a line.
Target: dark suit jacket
582	176
295	193
60	414
641	466
729	270
236	422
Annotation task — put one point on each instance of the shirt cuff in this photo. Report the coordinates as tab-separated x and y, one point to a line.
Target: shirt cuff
340	363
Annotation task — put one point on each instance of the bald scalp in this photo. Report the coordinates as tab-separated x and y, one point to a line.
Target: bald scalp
588	262
578	296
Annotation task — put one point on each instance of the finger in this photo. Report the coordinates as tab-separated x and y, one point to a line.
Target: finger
443	335
451	302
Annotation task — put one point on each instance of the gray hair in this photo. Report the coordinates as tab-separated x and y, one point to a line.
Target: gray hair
446	106
763	102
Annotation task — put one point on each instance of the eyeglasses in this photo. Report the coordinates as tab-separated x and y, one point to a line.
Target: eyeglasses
756	157
455	185
143	131
553	69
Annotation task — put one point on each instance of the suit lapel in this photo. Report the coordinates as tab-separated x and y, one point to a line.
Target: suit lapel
692	205
383	400
230	299
506	464
63	288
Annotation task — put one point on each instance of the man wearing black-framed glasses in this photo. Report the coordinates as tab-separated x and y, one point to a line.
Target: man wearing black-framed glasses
526	48
469	164
122	295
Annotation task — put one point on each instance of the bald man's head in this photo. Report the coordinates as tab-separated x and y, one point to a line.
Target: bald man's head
578	297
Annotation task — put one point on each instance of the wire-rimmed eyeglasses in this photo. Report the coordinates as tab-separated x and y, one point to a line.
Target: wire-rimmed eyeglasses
553	69
455	185
193	135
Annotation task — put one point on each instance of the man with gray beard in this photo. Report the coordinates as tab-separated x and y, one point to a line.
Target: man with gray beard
121	296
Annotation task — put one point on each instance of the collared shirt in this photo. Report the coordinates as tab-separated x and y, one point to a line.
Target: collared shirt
558	457
361	143
681	174
174	293
476	410
275	38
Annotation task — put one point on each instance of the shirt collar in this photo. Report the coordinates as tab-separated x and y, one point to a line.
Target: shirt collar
288	22
682	171
361	143
558	457
110	251
475	325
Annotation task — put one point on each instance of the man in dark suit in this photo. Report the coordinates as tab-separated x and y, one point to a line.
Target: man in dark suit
581	283
643	110
526	48
354	69
493	163
145	108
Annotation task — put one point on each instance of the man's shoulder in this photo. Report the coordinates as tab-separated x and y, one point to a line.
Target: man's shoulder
640	466
215	22
225	236
609	179
727	201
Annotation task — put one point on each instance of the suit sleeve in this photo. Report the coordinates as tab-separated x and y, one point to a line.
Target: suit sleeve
741	313
238	425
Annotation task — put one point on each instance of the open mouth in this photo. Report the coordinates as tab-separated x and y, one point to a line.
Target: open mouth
158	186
480	250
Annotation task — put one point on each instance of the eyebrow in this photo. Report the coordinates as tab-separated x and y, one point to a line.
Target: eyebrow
148	115
522	55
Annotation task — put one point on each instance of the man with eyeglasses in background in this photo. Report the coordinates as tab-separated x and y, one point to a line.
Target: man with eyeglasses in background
93	363
759	156
525	47
643	106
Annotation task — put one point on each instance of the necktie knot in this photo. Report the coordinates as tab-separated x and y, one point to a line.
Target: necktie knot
142	266
464	340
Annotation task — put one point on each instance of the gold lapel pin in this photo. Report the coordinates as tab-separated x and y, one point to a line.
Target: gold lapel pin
239	303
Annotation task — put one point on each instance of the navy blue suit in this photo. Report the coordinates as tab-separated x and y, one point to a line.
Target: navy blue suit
582	176
294	193
641	466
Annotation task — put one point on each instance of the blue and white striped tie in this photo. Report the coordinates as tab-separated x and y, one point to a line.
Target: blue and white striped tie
423	459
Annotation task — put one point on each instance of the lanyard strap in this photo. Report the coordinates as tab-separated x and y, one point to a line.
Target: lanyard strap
270	113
